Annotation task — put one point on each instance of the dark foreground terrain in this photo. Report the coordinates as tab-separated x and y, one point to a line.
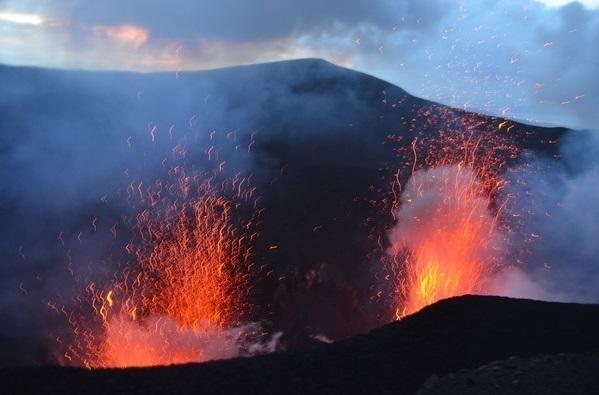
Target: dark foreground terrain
563	373
451	335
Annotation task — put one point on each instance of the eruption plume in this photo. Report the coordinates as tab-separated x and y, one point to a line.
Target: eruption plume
447	236
448	239
184	297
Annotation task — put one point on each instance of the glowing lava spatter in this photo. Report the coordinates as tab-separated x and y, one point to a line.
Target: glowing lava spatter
193	259
447	237
184	295
448	240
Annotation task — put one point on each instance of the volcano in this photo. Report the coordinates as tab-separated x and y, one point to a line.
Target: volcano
310	159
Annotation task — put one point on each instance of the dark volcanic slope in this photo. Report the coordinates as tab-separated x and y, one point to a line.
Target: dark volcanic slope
324	156
452	334
555	374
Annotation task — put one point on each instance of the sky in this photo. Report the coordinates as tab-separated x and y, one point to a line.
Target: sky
532	60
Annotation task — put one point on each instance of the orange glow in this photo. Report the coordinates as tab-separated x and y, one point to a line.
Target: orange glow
450	236
160	341
188	260
448	239
184	297
124	34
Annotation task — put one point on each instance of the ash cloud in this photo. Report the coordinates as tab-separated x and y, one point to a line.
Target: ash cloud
561	222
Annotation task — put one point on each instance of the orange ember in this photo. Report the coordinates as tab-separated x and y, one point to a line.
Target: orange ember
183	298
447	236
447	240
189	260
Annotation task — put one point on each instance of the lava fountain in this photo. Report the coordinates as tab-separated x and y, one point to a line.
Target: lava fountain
184	295
448	240
447	236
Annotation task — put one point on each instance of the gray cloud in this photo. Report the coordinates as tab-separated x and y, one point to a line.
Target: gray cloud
513	58
557	238
241	21
569	67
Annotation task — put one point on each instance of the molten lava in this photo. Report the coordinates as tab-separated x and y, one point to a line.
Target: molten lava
183	297
448	239
446	235
190	260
